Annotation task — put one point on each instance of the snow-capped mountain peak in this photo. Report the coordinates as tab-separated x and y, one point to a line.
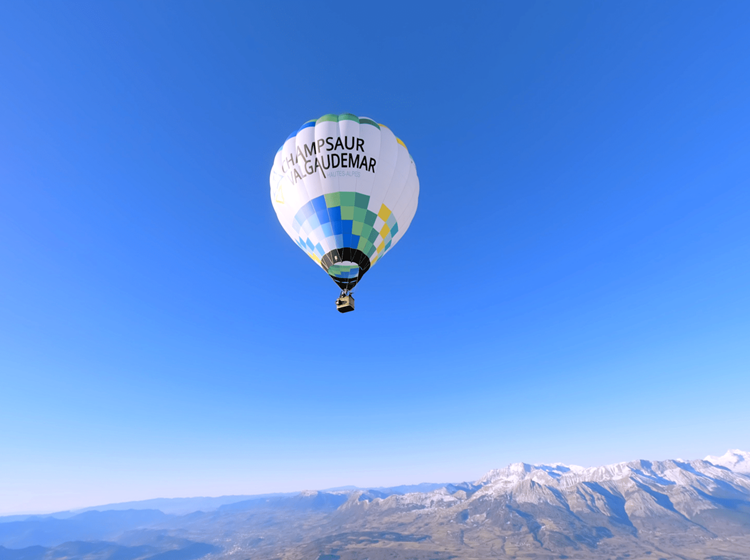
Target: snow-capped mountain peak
557	507
532	482
734	459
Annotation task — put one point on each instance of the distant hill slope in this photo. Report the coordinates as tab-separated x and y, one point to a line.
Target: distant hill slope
109	551
87	526
181	506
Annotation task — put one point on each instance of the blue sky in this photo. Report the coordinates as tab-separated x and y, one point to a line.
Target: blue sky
574	286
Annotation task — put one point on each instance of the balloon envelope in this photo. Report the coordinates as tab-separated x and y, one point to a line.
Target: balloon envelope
345	189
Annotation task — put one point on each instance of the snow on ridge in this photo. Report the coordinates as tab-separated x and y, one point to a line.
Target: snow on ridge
689	484
422	500
734	459
669	472
542	482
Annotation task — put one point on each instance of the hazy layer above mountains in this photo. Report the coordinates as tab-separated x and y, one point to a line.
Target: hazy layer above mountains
182	506
640	509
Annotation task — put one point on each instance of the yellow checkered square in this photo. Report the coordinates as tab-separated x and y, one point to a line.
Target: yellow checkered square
384	212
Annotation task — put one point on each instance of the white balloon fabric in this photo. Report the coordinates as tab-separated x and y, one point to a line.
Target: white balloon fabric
345	189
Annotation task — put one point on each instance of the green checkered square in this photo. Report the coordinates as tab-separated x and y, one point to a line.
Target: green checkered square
347	198
347	212
370	218
361	200
333	199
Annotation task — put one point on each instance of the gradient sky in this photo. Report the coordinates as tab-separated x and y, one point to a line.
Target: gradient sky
575	285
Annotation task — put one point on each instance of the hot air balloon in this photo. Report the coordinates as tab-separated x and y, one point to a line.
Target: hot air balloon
345	189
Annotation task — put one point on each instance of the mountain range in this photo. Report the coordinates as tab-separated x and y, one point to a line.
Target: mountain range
673	509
